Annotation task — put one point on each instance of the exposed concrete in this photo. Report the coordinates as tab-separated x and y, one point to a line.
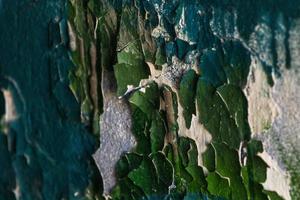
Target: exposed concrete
274	114
115	136
263	115
115	139
283	139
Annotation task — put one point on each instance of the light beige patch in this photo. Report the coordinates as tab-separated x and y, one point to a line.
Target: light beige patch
197	132
262	110
10	109
277	179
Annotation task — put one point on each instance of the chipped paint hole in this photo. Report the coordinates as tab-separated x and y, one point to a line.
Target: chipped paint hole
10	108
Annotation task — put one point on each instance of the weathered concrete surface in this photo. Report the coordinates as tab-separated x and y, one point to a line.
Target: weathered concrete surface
263	111
115	139
115	136
283	139
274	113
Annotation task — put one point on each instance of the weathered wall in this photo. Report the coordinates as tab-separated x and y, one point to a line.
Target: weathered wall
179	93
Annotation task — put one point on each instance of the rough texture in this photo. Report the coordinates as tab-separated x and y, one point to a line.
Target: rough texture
44	148
116	137
285	129
189	99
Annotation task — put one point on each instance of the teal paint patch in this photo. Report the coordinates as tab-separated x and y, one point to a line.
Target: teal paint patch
48	147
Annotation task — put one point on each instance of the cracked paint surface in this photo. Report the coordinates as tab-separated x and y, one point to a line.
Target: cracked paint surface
171	99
